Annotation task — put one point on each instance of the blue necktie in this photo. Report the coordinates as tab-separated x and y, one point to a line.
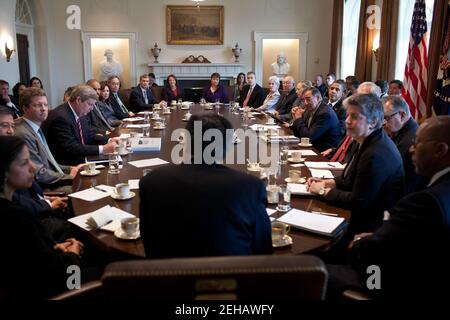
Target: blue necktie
49	153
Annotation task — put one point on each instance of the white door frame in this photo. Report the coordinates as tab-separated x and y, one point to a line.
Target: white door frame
28	30
258	38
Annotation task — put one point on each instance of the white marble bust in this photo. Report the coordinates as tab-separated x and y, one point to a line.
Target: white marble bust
110	67
280	68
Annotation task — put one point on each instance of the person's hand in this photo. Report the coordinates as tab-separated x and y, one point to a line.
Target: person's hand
327	152
74	170
70	245
285	124
6	97
109	147
58	202
359	237
275	113
297	113
315	186
115	139
131	114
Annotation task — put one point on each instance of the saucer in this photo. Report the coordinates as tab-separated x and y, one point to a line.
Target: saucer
121	235
287	241
159	128
255	169
305	145
185	108
297	161
301	180
89	174
115	196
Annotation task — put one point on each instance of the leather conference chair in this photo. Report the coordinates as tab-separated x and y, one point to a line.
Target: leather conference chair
88	291
217	278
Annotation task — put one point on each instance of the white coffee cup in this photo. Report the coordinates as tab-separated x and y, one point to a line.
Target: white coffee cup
173	102
130	226
304	141
296	155
123	190
121	148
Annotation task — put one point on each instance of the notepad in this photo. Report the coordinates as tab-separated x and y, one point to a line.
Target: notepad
145	144
92	194
325	165
278	139
256	127
133	119
106	218
305	153
313	222
138	126
148	162
270	211
321	174
298	189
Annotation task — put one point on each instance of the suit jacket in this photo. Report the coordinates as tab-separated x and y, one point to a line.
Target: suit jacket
46	173
64	137
16	110
219	211
114	103
168	95
324	129
137	99
32	246
341	114
96	123
403	140
371	183
220	94
256	98
413	245
284	105
30	200
108	113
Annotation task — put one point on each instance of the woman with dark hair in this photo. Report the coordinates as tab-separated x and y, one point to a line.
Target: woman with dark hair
240	83
17	90
105	107
33	264
36	82
215	91
171	90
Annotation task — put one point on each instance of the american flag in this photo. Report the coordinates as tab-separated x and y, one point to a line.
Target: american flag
416	70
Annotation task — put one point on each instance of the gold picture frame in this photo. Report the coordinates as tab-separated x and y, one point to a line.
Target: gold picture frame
195	25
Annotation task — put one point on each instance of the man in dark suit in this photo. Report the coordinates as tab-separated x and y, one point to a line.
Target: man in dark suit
6	99
316	121
119	108
252	94
141	96
372	181
68	133
411	248
284	106
401	127
335	98
97	120
218	211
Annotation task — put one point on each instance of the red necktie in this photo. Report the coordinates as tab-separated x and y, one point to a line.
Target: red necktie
339	155
248	97
80	130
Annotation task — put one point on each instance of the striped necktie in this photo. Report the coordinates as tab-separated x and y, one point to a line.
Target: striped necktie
248	97
80	130
121	105
49	153
100	115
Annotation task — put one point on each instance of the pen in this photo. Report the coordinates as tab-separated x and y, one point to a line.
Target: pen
100	189
328	214
332	165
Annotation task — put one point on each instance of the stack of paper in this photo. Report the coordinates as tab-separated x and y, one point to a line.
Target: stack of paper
138	126
106	218
94	193
314	222
277	139
325	165
255	127
133	119
321	174
148	162
305	153
298	189
145	144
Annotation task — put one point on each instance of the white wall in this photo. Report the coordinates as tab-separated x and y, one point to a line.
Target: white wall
60	51
9	71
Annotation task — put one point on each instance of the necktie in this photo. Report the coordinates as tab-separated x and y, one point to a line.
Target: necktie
340	153
100	115
49	153
144	92
310	119
80	130
248	97
121	105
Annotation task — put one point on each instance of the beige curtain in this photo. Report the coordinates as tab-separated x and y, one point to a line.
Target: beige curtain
388	40
336	37
436	37
364	54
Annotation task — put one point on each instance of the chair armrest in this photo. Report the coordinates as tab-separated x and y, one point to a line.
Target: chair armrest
88	290
352	294
55	193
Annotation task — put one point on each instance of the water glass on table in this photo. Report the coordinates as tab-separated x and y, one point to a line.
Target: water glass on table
114	163
284	199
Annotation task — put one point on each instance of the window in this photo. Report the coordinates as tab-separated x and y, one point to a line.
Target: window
404	30
350	37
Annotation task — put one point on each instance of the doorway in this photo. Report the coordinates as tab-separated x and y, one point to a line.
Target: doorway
23	57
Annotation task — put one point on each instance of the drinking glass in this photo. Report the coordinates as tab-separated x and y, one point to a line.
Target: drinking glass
146	132
284	199
114	163
284	154
146	117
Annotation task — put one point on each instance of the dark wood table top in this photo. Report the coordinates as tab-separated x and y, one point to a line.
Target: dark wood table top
303	242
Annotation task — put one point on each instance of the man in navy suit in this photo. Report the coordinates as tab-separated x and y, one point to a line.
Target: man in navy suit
68	132
6	99
218	211
412	248
316	121
252	94
141	96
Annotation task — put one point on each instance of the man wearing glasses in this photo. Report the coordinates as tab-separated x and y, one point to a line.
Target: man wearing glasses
6	122
401	127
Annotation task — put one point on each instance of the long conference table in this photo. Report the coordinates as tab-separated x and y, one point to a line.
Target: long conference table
303	242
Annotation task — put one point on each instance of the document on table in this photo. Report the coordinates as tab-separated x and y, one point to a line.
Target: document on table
325	165
255	127
94	193
148	162
145	144
314	222
138	126
322	174
134	184
133	119
270	211
298	189
106	218
305	153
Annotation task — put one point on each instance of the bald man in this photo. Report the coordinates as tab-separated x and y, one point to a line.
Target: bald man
412	248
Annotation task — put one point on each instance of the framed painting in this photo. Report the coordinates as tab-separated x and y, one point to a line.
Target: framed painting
194	24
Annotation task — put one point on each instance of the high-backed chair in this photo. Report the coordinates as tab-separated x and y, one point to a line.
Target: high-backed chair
244	277
157	92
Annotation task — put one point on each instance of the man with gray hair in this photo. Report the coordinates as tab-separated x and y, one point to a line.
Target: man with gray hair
68	132
369	88
401	127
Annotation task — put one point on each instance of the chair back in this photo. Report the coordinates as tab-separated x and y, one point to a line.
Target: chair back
157	93
218	278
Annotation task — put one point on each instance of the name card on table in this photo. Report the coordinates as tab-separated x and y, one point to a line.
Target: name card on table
106	218
148	162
